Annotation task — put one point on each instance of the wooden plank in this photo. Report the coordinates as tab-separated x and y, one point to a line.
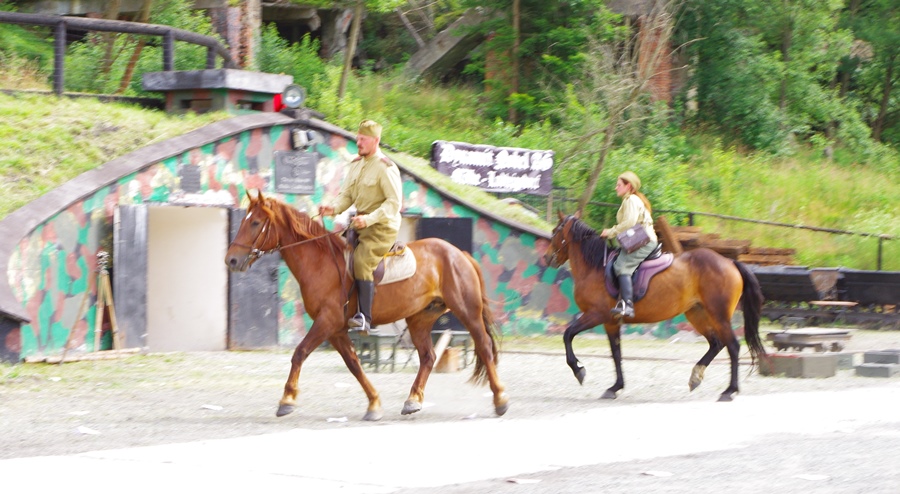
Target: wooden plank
767	260
667	236
773	251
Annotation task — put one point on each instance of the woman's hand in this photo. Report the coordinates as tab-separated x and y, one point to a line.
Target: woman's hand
604	233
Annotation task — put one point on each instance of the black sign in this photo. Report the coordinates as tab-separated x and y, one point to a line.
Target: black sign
495	169
295	172
190	178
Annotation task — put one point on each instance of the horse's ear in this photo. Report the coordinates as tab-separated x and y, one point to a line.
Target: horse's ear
259	194
560	214
577	214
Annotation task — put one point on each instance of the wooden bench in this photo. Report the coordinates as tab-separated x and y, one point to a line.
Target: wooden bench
819	339
378	350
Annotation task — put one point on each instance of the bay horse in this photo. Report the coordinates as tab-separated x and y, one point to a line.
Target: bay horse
702	284
446	278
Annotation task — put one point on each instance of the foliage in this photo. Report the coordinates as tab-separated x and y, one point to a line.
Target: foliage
86	59
344	112
301	60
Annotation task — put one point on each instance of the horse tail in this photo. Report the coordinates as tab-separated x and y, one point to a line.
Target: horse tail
479	375
752	308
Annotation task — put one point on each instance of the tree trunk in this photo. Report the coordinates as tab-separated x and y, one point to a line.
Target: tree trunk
786	38
878	125
514	77
409	27
351	47
143	17
109	39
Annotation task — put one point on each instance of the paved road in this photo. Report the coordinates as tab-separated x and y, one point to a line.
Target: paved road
818	441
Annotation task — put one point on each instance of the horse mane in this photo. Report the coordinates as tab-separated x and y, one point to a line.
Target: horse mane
593	246
300	223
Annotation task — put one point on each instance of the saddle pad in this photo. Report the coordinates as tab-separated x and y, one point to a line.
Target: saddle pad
398	266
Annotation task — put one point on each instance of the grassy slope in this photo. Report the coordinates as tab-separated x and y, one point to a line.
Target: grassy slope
47	141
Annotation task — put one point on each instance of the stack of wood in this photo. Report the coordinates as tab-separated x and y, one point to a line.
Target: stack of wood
681	238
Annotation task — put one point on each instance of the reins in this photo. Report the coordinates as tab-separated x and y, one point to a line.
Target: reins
256	253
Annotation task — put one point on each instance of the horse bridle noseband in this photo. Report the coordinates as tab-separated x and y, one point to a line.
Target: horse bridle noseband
256	253
554	256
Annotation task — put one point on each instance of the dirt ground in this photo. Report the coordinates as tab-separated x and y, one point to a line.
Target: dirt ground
50	409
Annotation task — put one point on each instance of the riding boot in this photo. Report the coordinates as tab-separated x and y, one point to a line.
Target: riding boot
625	307
362	321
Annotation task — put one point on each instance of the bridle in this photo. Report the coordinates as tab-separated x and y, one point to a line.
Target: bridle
554	256
256	253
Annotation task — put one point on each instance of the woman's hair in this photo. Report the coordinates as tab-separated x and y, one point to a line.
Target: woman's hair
645	201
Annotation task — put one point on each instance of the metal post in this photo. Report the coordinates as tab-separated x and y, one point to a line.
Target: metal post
169	51
59	57
691	219
880	248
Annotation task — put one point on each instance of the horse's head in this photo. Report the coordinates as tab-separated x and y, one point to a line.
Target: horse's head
255	237
558	252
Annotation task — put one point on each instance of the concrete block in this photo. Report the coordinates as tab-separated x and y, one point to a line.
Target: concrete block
882	357
878	370
800	365
846	360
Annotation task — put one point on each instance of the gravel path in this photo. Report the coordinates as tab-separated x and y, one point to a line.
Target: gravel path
165	398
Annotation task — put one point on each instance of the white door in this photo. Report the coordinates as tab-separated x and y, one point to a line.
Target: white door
187	281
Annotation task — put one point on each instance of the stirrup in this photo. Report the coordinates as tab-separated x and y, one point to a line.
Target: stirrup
359	323
623	309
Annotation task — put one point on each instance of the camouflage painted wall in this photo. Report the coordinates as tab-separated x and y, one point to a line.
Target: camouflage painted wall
53	270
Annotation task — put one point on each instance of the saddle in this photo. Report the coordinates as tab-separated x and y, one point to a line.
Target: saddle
397	265
654	264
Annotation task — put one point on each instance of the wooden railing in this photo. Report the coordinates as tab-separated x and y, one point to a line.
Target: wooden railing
169	36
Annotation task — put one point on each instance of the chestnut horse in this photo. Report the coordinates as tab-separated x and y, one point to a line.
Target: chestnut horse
700	283
446	278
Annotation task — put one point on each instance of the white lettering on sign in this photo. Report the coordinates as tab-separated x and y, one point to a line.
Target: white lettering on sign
494	169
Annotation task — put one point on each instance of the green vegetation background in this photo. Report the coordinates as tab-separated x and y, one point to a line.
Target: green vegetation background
48	140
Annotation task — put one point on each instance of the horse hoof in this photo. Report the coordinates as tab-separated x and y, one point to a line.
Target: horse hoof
373	415
579	374
608	395
284	410
693	384
725	397
411	406
501	408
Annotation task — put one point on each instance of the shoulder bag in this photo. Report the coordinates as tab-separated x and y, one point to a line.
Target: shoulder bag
633	238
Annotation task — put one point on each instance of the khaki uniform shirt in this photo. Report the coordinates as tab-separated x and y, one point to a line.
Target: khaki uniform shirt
373	185
631	213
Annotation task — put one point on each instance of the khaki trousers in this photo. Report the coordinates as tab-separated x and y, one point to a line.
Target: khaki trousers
374	242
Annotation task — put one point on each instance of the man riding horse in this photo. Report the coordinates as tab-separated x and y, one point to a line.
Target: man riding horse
372	184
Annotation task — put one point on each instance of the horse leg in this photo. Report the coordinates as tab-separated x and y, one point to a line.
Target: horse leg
585	321
615	345
702	324
420	333
341	342
734	347
484	348
291	388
